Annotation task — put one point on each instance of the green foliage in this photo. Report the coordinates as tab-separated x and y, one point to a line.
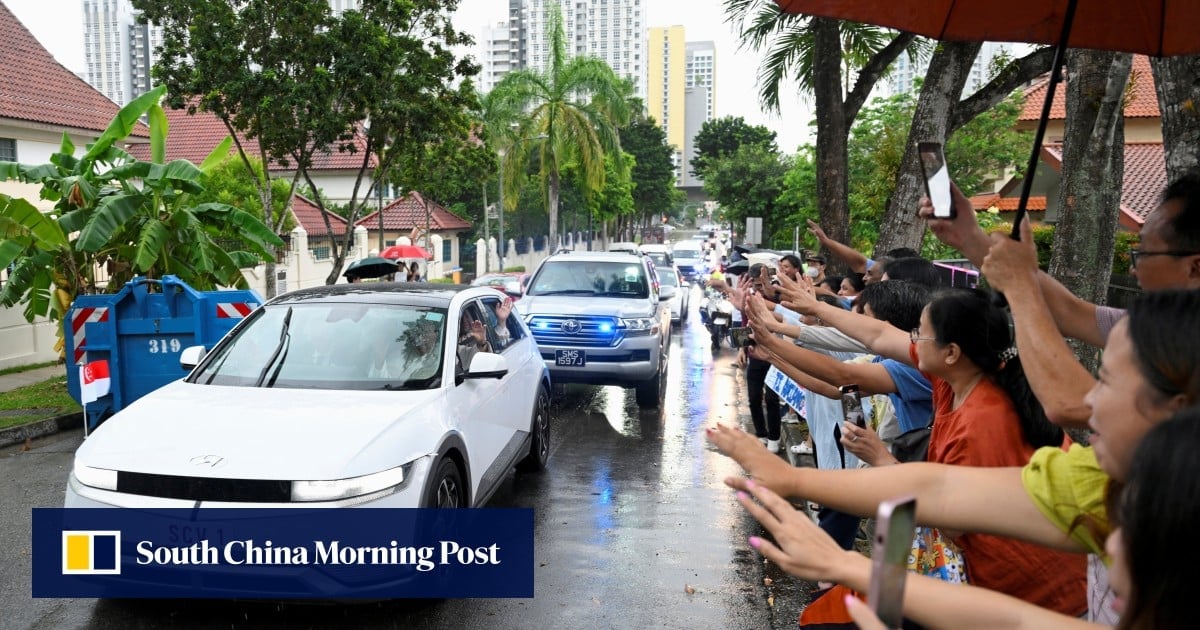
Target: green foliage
137	218
40	401
749	183
653	175
516	268
1043	237
229	183
574	109
722	137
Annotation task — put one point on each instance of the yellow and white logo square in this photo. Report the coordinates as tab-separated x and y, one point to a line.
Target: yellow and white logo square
91	552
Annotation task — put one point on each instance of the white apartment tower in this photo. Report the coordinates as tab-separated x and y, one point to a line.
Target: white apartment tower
611	30
499	55
701	71
904	71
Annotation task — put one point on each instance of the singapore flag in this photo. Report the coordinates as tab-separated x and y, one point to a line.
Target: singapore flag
94	381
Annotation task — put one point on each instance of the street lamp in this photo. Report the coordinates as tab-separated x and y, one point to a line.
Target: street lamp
503	244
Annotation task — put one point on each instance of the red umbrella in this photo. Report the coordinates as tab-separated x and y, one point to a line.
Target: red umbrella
1160	28
405	251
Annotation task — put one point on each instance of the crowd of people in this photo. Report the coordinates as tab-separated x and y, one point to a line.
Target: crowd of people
967	398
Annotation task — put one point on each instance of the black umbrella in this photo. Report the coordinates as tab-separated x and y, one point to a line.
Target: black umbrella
738	268
371	267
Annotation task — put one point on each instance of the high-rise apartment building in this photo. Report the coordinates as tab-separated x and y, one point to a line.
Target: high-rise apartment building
106	45
609	29
497	57
904	70
680	92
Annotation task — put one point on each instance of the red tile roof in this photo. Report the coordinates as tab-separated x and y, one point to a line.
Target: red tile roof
1142	186
1143	101
36	88
193	137
408	212
308	215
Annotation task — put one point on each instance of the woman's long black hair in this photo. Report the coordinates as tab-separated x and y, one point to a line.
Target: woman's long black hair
1158	512
969	318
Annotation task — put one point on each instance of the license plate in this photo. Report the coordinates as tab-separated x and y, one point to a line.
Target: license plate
720	321
573	358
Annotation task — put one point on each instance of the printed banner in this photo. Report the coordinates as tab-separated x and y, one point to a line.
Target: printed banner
282	553
789	392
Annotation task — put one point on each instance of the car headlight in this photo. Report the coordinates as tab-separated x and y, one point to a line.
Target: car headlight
101	478
640	326
337	489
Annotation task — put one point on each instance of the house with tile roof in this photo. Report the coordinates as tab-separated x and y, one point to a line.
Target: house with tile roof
40	100
414	210
1145	166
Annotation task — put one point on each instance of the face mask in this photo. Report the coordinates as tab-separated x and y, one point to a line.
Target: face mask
813	272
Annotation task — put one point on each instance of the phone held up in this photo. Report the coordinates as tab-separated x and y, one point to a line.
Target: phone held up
937	179
852	408
894	528
740	337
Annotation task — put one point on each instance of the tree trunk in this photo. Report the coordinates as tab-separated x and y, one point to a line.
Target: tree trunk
1092	172
833	131
948	71
552	210
1177	82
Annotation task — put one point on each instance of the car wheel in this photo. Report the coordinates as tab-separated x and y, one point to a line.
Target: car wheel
448	489
539	444
649	393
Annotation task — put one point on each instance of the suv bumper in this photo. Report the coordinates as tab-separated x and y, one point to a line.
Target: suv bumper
627	364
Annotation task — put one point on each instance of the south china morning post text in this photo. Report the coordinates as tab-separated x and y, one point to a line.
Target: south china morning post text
283	553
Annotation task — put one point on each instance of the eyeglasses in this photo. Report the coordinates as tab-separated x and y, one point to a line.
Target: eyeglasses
915	335
1134	254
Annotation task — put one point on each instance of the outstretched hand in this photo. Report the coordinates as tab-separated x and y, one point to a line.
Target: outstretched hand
745	449
865	444
799	295
1012	264
504	310
800	547
816	230
956	232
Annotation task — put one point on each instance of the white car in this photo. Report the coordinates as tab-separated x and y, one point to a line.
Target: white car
675	291
348	395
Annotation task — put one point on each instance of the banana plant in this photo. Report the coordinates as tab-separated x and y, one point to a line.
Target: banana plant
134	217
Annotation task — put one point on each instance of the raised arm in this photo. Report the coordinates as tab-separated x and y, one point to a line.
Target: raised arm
853	258
960	498
804	550
1073	316
1057	378
880	337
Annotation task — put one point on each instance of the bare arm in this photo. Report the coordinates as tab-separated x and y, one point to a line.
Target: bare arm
871	378
853	258
804	550
880	337
798	376
1073	316
1056	377
960	498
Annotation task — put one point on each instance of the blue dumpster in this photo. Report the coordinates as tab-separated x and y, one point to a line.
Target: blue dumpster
140	331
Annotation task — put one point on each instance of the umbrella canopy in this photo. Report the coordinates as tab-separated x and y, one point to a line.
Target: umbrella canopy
371	267
405	251
1160	28
738	268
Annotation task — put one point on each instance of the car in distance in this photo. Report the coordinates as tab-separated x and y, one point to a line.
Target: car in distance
336	396
598	318
675	291
689	260
511	283
660	254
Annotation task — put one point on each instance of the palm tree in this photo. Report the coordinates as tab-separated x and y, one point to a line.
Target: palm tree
574	108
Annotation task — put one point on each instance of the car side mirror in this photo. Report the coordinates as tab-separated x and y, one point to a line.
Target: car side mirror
487	365
191	357
666	292
516	295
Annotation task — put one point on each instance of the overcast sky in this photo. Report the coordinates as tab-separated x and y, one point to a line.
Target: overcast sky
58	25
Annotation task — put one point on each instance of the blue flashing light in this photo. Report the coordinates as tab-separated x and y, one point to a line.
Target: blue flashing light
543	325
606	328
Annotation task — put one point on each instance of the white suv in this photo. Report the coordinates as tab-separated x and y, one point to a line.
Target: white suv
598	319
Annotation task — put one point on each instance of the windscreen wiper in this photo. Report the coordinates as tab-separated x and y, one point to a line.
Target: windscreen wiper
284	341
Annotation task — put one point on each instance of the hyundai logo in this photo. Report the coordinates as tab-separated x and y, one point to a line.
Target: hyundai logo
212	461
572	326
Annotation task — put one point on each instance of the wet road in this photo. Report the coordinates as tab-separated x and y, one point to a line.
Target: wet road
630	516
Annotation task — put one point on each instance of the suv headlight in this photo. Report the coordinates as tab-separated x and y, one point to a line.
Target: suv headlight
333	490
101	478
640	326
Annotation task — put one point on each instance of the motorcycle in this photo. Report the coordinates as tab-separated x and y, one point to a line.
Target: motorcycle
717	314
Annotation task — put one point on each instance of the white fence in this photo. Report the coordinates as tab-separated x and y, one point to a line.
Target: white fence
486	258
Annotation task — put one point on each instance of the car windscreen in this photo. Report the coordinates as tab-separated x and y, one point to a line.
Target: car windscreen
668	278
509	284
688	253
332	345
591	278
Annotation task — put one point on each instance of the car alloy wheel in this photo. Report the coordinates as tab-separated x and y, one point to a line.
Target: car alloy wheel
448	491
539	446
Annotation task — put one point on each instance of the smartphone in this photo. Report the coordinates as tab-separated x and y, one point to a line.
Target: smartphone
740	337
937	179
895	523
852	408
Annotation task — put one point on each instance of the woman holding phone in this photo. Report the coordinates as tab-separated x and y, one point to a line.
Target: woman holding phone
1152	564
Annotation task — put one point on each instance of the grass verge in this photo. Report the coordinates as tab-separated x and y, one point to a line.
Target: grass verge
26	368
40	401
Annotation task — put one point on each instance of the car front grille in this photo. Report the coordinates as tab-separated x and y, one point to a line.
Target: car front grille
205	488
578	332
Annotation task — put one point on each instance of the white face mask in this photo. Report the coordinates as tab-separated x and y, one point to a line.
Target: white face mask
814	272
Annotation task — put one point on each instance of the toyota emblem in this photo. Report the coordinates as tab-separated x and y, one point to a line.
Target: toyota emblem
572	326
212	461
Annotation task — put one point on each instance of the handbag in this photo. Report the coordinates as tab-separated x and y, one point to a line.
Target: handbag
936	556
911	446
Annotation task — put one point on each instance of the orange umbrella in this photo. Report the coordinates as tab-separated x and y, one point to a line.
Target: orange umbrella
1159	28
405	251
